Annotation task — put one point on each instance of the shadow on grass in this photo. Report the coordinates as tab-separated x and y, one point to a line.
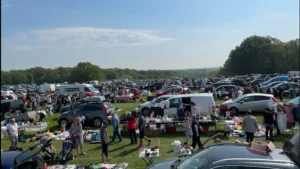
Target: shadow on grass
126	152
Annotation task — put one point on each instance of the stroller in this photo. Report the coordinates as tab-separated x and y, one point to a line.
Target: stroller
48	150
65	155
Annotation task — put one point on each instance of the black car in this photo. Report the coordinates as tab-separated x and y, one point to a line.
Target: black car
237	156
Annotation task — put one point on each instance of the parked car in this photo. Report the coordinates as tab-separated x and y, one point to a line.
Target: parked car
224	90
264	88
286	87
294	102
256	82
145	107
215	85
239	82
95	113
277	78
237	156
255	102
174	89
28	159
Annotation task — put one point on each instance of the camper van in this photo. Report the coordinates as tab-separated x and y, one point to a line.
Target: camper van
205	104
88	89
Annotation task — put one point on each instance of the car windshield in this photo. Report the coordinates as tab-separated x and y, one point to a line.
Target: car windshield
92	89
197	161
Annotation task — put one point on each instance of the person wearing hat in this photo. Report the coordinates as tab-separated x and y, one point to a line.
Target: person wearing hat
12	131
268	122
104	141
250	126
77	136
142	129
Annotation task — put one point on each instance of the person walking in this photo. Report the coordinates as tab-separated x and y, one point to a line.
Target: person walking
142	129
104	141
250	126
196	129
268	122
12	131
77	136
131	126
115	124
187	126
194	110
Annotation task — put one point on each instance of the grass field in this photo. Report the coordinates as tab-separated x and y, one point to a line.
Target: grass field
124	152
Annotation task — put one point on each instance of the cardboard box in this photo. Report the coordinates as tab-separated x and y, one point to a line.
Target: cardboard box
262	145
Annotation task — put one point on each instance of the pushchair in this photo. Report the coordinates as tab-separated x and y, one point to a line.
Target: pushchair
48	150
66	152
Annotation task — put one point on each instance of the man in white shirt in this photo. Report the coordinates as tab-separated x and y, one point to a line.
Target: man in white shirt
12	131
240	93
82	120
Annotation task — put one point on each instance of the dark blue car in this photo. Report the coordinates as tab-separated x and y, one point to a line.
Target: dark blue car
21	160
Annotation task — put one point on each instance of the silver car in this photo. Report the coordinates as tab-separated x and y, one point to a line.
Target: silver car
255	102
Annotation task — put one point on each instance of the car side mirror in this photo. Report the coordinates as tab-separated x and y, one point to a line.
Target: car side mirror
241	102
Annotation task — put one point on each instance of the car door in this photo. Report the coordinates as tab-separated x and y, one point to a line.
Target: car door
172	110
246	103
261	103
88	112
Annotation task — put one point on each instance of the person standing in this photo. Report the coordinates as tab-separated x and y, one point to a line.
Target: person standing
281	93
250	126
142	130
115	125
194	109
180	110
104	142
281	120
268	122
82	119
131	126
12	131
77	136
239	92
196	129
187	126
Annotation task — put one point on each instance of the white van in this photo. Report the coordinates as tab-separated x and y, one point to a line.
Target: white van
145	107
47	87
205	104
89	90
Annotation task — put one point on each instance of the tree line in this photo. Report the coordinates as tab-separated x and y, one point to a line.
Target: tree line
85	71
257	54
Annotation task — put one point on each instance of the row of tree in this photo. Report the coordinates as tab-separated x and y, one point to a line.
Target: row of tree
264	55
85	71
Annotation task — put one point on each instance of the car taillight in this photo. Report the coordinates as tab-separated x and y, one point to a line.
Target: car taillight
213	109
106	109
274	99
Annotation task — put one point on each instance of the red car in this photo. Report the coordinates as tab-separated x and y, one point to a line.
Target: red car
172	90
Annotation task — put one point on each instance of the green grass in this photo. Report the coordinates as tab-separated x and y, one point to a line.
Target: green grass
123	152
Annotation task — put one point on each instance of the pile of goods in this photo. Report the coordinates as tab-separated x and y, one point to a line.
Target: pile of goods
178	148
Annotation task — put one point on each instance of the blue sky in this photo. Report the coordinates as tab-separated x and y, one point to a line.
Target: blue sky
156	34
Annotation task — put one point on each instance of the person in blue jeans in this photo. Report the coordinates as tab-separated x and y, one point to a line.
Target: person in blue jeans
115	125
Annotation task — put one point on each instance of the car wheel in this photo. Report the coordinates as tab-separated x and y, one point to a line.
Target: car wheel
97	122
63	122
145	111
234	110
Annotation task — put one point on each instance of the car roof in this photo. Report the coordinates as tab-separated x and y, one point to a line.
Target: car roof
8	157
193	95
258	94
240	151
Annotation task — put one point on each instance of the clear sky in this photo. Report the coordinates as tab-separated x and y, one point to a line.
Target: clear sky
138	34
